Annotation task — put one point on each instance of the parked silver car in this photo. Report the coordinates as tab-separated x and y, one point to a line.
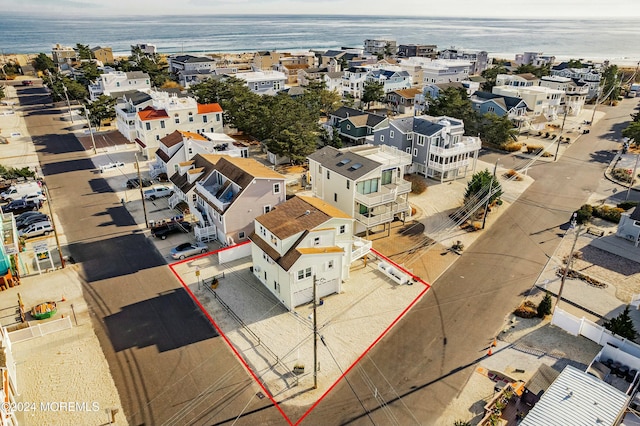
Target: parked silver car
36	229
188	249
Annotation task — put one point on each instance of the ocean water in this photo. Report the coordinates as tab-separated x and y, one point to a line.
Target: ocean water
616	40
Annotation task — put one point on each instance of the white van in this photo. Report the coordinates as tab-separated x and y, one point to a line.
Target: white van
36	229
19	190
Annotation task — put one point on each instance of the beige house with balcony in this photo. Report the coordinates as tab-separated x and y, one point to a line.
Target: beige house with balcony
226	194
304	239
365	182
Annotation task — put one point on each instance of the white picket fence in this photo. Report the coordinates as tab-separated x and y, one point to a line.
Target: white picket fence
592	331
38	330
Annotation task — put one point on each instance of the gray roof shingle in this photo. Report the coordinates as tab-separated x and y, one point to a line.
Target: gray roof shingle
346	163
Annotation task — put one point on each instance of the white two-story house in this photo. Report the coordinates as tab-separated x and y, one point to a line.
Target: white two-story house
365	182
116	82
304	240
575	92
165	114
263	82
179	146
541	100
436	146
353	80
390	79
226	194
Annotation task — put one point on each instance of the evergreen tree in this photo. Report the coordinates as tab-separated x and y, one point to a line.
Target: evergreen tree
455	103
372	92
496	130
544	308
632	131
610	82
478	187
101	109
83	51
622	325
490	75
43	63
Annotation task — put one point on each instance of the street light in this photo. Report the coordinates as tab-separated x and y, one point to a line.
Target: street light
68	103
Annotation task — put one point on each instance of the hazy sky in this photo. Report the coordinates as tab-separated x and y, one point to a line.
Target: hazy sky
460	8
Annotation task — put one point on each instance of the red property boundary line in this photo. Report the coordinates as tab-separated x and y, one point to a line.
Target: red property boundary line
244	363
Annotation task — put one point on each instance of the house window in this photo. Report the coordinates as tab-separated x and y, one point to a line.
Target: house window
408	150
348	184
316	241
175	168
241	235
276	188
391	133
367	186
255	86
148	126
415	152
348	126
162	124
387	176
330	264
190	117
266	209
342	229
420	141
381	138
328	175
204	119
217	118
410	136
335	197
304	273
176	119
157	137
276	287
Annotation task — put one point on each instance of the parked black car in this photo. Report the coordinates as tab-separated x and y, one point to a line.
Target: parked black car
24	221
20	206
168	228
135	183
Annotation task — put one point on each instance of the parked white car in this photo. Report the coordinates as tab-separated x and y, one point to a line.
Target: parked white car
36	229
37	197
157	192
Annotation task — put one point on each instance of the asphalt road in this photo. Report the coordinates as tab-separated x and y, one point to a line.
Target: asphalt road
168	363
425	361
169	366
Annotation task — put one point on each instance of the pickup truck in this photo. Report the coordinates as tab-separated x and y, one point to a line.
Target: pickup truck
161	231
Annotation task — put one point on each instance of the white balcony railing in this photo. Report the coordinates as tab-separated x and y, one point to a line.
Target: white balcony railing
387	215
434	165
205	234
387	194
207	192
469	144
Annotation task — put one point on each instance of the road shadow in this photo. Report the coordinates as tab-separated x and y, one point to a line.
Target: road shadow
50	169
152	322
602	156
100	185
57	144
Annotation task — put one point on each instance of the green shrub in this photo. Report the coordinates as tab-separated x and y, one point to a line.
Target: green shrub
611	214
544	308
584	213
622	175
627	205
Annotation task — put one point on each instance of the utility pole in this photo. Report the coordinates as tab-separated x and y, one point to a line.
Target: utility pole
315	336
486	206
566	110
631	178
144	205
93	141
570	260
53	224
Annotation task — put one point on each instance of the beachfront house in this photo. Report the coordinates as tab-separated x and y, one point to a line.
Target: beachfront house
116	82
380	47
587	74
367	182
226	194
479	59
263	82
184	63
420	50
304	242
390	79
517	80
435	146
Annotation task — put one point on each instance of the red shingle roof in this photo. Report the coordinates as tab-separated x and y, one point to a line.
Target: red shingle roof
207	108
152	114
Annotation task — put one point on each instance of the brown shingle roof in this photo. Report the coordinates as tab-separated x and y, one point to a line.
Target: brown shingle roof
408	93
205	162
162	155
171	139
291	217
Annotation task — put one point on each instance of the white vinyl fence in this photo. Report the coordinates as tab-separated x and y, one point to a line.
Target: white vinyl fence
592	331
38	330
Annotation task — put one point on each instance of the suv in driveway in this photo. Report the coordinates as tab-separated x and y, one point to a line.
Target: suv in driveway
168	228
135	183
